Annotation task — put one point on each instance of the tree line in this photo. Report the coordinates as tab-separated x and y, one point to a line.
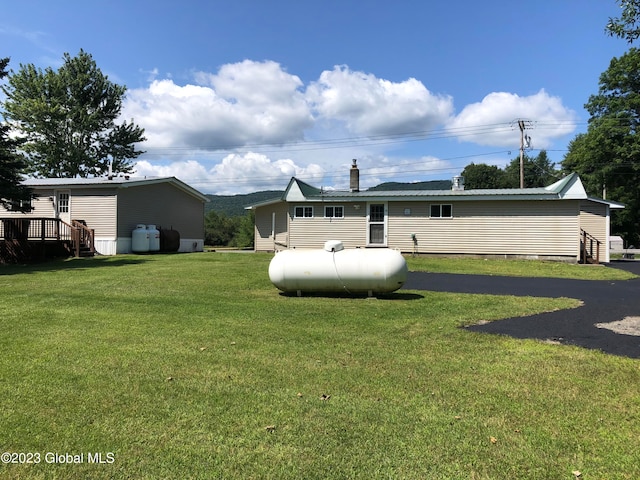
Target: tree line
539	171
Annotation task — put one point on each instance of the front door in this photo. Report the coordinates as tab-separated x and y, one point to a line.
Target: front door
377	224
63	205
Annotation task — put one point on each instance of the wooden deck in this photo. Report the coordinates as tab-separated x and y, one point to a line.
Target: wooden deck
27	239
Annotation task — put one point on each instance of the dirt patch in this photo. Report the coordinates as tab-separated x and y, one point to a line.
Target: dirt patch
626	326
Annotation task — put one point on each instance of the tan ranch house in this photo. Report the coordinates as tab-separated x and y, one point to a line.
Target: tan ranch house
557	222
113	207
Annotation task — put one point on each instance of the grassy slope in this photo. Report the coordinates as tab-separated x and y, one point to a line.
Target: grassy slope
193	366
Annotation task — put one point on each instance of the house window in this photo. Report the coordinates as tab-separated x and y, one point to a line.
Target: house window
63	203
304	212
334	212
376	213
441	211
20	206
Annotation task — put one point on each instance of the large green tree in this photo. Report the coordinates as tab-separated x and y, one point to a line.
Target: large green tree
13	195
539	171
481	175
69	119
607	156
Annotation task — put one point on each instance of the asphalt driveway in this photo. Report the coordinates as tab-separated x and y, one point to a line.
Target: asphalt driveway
604	302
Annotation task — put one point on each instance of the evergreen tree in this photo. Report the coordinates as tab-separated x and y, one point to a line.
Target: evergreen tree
13	195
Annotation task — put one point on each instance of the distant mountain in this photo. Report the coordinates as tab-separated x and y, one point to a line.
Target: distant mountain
234	205
430	185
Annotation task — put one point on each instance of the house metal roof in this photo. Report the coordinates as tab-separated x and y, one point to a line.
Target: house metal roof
115	181
569	187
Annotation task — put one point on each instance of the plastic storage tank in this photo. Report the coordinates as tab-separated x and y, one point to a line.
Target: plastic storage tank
154	238
140	239
334	269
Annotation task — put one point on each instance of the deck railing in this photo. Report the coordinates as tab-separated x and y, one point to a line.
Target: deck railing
590	248
42	230
82	237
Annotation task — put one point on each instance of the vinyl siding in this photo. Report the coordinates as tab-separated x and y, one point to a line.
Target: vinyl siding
97	208
264	240
529	228
593	219
163	205
42	206
314	232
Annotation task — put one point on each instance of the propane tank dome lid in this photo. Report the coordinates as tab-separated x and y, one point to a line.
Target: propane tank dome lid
333	245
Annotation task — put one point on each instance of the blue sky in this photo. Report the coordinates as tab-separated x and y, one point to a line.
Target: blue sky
239	96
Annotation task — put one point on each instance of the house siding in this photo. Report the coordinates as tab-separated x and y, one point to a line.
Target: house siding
594	221
166	207
97	209
42	206
522	228
264	235
314	232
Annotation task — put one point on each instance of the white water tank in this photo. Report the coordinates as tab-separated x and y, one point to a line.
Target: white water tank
140	239
154	238
334	269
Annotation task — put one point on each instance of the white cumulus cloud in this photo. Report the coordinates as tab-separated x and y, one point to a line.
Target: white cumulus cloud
245	103
235	174
251	126
372	106
493	121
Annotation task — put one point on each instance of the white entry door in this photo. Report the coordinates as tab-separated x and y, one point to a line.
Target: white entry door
377	224
63	205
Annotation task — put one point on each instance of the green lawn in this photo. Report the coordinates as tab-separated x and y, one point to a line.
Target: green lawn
194	366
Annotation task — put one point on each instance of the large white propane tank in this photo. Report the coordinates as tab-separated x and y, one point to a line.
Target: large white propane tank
334	269
154	238
140	239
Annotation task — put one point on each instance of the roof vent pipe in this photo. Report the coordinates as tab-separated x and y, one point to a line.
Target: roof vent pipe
354	177
458	183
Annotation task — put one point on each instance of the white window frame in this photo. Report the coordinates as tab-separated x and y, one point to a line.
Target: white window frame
305	209
333	211
440	205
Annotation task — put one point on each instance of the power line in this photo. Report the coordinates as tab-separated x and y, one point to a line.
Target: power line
356	141
364	172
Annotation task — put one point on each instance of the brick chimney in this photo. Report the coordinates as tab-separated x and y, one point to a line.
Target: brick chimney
354	177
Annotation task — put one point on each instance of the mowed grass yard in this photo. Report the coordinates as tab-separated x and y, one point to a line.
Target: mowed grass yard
195	366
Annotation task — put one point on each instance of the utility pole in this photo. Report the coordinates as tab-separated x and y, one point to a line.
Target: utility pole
521	125
525	142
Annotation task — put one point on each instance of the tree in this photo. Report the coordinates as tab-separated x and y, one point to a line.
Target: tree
483	176
13	195
627	25
244	236
68	118
221	230
538	171
607	156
